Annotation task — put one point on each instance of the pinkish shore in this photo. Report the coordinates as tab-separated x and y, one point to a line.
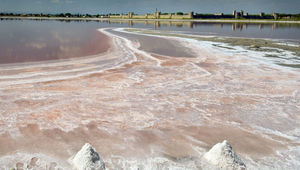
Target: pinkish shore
147	110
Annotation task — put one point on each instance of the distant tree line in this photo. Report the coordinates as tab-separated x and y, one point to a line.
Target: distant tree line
73	15
64	15
196	15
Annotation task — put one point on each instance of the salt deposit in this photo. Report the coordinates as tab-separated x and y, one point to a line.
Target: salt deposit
222	156
88	159
150	111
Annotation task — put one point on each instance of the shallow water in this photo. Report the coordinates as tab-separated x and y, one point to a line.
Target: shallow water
38	40
28	41
157	45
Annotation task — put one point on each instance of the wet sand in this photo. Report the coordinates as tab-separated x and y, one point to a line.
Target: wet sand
150	110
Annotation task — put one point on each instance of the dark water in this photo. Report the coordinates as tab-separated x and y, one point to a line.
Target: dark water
37	40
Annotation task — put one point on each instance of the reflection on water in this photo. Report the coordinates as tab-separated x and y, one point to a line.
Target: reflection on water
27	41
191	24
241	26
287	31
36	40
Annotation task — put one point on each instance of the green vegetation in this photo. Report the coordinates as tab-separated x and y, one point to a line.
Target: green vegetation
280	17
63	15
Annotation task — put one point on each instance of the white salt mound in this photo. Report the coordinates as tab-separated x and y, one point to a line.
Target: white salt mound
222	156
87	159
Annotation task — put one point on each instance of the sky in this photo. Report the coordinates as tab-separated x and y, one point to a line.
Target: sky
148	6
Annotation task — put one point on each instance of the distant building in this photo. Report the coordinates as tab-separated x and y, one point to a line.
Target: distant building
275	15
219	14
240	14
191	15
157	14
130	14
261	14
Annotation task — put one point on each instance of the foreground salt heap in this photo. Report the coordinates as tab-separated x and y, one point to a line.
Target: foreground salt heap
222	156
87	159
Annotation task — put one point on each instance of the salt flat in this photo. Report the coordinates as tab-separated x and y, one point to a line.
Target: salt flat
143	107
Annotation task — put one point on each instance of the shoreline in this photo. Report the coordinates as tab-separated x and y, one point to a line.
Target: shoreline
174	20
271	48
